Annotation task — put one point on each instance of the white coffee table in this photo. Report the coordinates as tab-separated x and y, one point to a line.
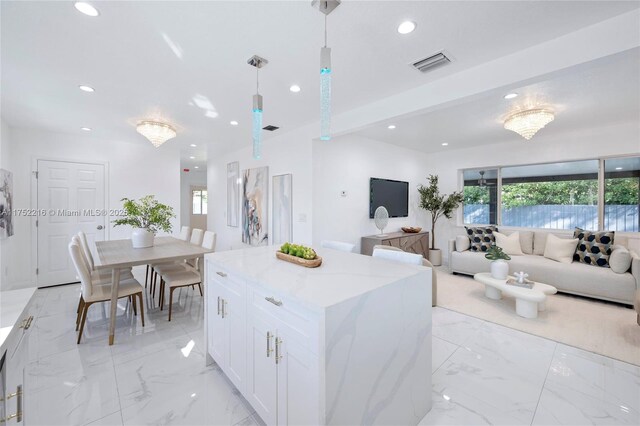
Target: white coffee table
528	301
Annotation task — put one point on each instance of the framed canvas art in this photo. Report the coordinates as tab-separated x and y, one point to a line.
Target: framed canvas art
255	200
6	208
282	228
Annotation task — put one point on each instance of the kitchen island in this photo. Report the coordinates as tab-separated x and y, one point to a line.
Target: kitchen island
346	343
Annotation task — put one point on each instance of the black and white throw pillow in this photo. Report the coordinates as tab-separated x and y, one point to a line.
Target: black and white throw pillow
481	237
594	248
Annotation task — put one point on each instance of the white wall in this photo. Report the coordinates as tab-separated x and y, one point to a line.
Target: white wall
135	169
346	163
187	180
288	153
546	146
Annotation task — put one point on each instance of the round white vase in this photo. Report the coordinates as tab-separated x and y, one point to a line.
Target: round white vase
499	269
141	238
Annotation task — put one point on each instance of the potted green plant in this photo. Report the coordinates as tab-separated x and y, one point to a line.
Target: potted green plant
438	205
147	216
499	265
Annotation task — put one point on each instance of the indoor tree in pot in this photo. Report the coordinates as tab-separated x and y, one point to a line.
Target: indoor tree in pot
438	205
499	265
147	216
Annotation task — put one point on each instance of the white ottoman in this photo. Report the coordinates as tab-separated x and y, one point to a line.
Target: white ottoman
528	301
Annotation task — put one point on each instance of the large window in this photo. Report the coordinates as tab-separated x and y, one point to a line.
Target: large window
621	194
199	201
556	195
480	196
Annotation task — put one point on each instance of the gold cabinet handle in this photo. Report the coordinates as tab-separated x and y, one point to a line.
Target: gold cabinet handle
278	355
222	274
269	350
274	301
18	414
29	321
218	305
224	305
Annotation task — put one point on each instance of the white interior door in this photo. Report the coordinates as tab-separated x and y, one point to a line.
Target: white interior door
72	195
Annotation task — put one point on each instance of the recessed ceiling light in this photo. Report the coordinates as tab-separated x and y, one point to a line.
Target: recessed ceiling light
510	95
295	88
391	126
406	27
233	123
85	88
193	145
196	167
86	8
445	144
86	129
192	157
618	168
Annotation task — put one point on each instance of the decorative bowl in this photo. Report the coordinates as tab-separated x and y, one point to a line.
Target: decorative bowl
411	229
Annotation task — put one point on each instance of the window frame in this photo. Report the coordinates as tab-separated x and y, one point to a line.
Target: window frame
193	191
600	196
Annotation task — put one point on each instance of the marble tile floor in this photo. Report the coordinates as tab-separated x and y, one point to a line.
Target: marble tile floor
482	373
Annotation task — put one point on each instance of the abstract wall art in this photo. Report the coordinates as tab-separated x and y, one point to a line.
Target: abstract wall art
255	200
6	206
282	231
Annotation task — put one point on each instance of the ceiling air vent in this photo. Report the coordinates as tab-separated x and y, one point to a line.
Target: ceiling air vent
270	128
432	61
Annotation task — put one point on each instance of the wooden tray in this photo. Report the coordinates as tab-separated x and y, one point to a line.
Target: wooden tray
299	261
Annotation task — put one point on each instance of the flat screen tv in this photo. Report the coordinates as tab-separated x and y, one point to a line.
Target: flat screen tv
392	194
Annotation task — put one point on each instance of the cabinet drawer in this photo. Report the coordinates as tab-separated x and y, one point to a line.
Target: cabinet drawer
229	280
295	322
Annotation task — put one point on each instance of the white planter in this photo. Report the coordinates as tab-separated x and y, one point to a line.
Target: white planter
435	257
499	269
141	238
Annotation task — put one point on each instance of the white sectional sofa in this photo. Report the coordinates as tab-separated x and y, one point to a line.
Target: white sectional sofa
575	278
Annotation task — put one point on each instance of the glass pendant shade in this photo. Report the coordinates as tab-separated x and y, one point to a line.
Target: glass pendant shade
325	93
257	126
528	123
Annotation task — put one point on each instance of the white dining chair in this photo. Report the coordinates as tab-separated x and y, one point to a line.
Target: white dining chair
100	274
339	245
398	255
91	292
184	275
184	235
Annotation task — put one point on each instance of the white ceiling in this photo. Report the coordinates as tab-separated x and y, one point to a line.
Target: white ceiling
591	94
165	58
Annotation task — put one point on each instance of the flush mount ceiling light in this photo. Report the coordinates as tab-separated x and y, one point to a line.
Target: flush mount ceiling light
156	131
233	123
445	144
86	8
528	123
325	7
510	95
85	88
196	167
391	126
193	145
295	88
258	62
192	157
406	27
86	129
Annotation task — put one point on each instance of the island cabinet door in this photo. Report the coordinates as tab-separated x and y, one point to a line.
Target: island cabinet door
216	330
298	386
236	334
261	390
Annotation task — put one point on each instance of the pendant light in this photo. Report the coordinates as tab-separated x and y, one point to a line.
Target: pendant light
326	7
258	62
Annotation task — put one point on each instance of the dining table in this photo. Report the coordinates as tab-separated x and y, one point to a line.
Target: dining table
116	255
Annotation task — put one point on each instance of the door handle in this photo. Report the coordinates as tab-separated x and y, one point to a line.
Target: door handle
224	310
218	305
269	350
278	355
99	227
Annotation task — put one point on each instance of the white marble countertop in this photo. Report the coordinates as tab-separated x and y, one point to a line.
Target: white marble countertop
341	276
12	303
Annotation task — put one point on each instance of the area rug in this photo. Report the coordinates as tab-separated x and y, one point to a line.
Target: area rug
604	328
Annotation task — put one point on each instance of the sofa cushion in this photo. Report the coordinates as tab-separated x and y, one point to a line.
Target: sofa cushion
560	249
540	240
526	239
594	247
462	243
509	244
481	237
620	259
